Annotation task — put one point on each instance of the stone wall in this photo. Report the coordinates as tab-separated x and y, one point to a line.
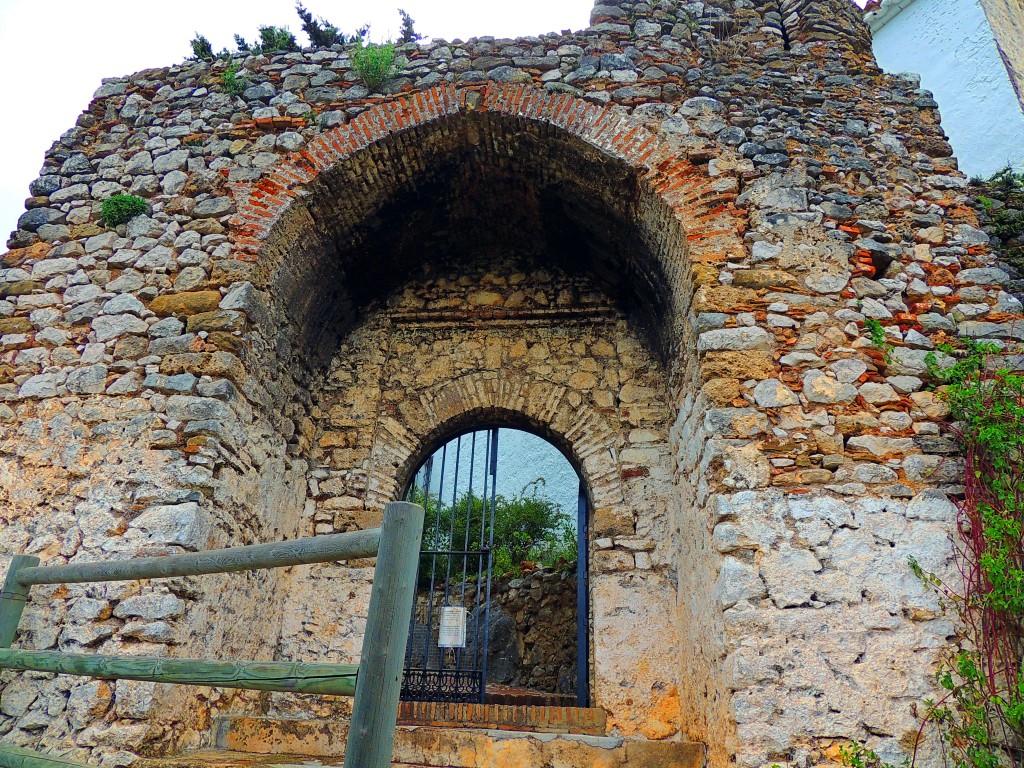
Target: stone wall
536	647
657	242
521	337
1000	209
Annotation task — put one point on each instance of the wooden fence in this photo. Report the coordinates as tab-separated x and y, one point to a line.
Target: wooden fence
375	682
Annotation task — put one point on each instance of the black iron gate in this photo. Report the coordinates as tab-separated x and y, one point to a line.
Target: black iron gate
446	656
447	651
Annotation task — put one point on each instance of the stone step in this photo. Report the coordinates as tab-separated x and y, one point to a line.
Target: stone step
323	736
511	716
250	742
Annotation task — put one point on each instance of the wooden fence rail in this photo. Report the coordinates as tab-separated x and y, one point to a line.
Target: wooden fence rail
293	677
318	549
375	682
15	757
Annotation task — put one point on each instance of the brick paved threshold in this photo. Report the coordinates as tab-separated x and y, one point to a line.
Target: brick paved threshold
511	717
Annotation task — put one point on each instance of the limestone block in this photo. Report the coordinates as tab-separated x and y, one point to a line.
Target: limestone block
150	606
108	327
134	699
89	701
821	388
41	385
772	393
737	581
848	371
881	446
243	297
18	695
878	394
745	467
172	161
91	380
186	408
738	422
185	525
932	504
735	339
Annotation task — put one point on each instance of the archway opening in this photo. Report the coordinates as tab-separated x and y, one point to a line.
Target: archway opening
450	197
483	265
502	605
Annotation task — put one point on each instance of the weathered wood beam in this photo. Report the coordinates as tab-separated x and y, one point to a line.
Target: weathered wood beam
317	549
294	677
13	598
375	710
16	757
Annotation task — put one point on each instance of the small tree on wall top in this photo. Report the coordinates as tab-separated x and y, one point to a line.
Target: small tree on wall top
321	34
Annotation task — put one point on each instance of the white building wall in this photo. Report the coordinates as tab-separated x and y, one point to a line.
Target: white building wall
949	43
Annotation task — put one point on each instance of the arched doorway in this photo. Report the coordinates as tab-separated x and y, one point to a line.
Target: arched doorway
511	254
502	605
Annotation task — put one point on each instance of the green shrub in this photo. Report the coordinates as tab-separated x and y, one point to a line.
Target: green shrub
859	756
323	34
527	528
201	48
277	39
272	40
374	64
233	84
117	209
981	714
1001	212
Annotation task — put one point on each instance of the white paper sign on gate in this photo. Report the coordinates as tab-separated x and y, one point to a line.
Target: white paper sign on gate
453	627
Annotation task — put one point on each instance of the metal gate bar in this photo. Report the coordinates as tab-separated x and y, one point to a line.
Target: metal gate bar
460	560
434	672
582	602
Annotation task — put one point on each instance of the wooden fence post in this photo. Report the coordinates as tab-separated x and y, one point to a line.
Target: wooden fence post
375	711
13	598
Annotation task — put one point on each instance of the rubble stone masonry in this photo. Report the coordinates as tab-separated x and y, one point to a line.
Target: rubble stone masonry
658	242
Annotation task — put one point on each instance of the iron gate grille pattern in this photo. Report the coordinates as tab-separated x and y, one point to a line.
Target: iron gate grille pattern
455	570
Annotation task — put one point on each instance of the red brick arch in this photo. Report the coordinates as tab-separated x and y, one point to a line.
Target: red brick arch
514	399
684	218
683	187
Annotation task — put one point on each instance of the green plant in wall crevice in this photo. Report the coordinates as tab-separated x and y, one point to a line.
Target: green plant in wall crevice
119	209
980	713
232	83
374	64
879	337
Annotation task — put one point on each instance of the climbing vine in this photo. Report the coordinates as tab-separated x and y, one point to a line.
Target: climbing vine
980	715
1000	206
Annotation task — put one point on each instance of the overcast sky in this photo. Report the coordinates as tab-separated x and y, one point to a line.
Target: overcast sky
53	53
